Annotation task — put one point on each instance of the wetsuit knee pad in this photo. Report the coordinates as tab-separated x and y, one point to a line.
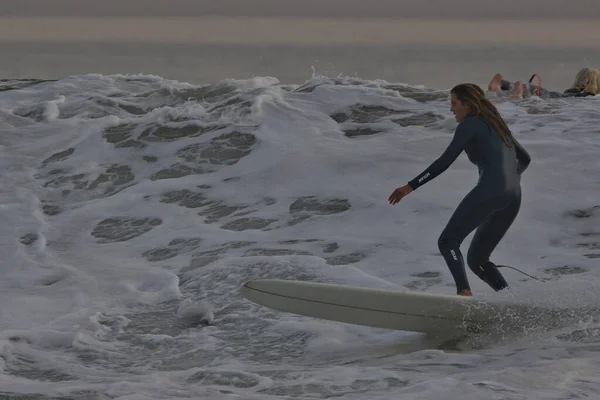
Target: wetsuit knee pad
488	273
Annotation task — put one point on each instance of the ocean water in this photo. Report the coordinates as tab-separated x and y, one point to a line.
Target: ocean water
134	207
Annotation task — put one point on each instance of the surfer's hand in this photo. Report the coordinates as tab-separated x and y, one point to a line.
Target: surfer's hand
399	193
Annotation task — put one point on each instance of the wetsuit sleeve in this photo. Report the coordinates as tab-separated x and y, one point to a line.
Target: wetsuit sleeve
573	92
464	132
583	94
523	157
506	85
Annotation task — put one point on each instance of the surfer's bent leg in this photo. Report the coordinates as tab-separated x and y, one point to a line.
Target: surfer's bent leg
485	240
469	214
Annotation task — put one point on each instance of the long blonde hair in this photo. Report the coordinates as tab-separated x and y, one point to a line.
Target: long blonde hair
473	97
588	80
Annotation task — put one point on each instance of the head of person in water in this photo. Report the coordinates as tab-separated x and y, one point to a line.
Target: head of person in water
588	80
468	98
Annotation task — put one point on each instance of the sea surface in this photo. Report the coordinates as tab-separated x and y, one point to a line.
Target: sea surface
133	207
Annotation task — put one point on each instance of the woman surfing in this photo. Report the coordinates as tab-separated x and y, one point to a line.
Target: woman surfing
492	205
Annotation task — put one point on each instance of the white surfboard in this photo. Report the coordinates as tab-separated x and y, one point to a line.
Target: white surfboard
428	313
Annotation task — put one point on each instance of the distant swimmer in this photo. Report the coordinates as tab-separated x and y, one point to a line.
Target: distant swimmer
493	204
587	83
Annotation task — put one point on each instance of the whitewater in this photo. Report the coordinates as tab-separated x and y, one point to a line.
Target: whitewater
134	207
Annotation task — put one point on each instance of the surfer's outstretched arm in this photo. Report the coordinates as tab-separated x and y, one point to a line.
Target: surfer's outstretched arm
464	132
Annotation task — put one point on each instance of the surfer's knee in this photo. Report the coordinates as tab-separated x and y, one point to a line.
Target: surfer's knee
441	242
445	241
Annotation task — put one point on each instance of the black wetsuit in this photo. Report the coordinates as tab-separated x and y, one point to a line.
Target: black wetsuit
531	90
490	207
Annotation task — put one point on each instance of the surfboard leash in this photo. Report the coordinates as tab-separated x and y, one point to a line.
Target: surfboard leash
518	270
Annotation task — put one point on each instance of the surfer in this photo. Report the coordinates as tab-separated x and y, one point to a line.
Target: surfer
586	83
492	205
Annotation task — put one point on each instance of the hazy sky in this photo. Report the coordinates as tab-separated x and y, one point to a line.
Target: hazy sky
304	31
206	40
522	9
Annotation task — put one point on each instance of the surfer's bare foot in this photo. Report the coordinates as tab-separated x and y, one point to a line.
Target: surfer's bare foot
517	92
496	83
465	292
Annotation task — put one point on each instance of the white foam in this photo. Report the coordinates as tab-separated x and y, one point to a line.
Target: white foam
200	312
122	319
